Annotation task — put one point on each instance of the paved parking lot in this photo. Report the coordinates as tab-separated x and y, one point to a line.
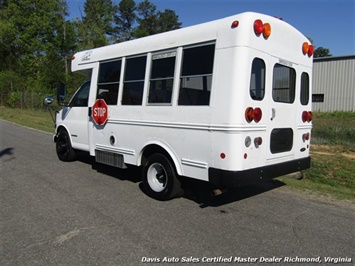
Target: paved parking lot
80	213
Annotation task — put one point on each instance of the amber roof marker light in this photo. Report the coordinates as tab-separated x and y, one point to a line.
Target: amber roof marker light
266	30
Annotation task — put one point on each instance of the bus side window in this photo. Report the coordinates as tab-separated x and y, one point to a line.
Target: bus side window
196	75
108	83
134	80
304	88
162	78
257	80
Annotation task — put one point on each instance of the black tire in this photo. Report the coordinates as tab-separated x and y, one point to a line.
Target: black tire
65	152
160	179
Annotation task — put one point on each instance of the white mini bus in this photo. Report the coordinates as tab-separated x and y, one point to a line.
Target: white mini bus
227	102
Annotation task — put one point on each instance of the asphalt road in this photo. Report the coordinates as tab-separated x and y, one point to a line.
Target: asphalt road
81	213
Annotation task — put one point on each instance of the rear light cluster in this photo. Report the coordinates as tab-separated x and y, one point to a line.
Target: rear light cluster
307	49
307	116
253	114
305	137
262	28
257	142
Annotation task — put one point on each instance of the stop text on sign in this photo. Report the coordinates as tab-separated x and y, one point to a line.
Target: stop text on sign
99	111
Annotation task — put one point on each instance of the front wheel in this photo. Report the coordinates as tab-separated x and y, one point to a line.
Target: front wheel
160	178
65	151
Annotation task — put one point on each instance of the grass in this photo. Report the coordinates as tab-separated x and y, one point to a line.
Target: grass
332	171
335	128
39	119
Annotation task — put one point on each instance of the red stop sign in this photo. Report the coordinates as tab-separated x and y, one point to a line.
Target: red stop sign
99	112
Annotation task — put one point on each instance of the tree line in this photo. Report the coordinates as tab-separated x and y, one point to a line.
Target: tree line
37	38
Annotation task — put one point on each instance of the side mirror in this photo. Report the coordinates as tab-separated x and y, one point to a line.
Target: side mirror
61	92
48	100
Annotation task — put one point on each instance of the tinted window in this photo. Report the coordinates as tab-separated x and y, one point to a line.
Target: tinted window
134	81
162	78
109	77
198	60
196	75
80	99
257	80
304	89
110	72
283	89
281	140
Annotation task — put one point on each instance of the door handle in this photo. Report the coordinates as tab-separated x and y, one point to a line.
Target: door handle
273	114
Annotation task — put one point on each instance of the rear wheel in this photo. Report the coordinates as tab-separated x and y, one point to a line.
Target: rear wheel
160	178
65	152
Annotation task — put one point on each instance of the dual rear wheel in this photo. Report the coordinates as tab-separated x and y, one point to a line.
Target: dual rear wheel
160	179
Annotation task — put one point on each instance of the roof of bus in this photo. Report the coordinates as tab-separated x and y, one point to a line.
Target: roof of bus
284	37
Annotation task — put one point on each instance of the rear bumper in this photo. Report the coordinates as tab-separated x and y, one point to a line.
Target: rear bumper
225	178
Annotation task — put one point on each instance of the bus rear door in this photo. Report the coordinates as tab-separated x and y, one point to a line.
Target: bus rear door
281	120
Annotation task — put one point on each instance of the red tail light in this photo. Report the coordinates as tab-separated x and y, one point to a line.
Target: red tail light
257	114
258	141
305	137
253	114
310	50
258	27
307	116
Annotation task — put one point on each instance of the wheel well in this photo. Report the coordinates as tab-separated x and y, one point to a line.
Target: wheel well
154	148
60	128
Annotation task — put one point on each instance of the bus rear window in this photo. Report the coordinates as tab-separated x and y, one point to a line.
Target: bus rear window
257	80
304	88
283	88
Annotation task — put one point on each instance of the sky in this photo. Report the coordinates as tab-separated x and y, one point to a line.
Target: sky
330	23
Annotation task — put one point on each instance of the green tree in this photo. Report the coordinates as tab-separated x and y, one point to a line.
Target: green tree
30	31
321	52
147	19
168	20
96	25
125	19
152	21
